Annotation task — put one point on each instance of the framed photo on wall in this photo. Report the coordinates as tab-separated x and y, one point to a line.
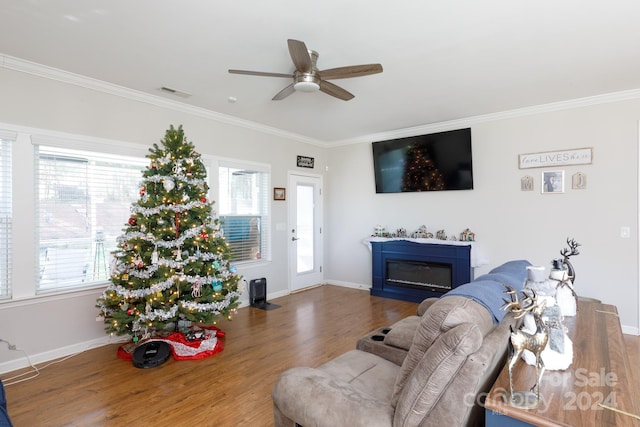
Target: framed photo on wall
553	182
279	193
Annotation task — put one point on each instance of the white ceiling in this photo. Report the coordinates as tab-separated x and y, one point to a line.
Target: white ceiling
443	60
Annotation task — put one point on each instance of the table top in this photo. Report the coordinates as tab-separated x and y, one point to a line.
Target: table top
596	390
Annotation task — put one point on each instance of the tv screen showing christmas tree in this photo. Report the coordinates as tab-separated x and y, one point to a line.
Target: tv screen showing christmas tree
433	162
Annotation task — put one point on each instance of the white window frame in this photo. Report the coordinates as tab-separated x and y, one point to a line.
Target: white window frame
7	139
264	203
95	150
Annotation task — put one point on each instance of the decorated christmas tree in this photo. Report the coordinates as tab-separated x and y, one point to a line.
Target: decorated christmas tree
171	269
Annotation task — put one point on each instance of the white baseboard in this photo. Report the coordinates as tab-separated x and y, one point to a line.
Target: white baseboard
69	351
630	330
349	284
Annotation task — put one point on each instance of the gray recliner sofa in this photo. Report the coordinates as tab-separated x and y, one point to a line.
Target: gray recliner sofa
451	353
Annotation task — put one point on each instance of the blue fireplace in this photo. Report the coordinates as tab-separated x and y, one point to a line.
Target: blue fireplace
413	271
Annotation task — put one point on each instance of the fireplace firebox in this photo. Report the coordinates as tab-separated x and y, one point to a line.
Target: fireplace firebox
413	271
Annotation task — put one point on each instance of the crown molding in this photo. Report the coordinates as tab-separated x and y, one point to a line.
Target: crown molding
40	70
469	121
51	73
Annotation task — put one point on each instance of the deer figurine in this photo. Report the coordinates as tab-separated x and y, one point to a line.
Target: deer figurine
568	252
519	341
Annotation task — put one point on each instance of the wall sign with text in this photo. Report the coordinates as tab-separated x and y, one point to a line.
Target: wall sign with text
305	162
578	156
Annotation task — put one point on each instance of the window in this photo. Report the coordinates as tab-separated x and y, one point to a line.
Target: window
83	200
6	139
244	209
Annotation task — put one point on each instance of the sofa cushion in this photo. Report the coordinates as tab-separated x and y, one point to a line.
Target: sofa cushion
353	390
425	304
435	371
443	315
364	371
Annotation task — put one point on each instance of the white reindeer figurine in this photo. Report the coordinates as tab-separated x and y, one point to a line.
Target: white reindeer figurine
520	341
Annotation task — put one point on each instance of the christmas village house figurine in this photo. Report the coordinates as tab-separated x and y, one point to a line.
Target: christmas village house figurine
171	276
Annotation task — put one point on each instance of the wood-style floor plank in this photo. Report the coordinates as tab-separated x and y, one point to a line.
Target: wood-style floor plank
232	388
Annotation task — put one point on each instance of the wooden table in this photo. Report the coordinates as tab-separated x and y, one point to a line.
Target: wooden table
594	391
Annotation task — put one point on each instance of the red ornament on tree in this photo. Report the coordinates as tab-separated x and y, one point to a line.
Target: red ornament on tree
203	199
133	221
142	191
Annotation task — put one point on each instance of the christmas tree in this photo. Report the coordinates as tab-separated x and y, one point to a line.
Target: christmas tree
172	264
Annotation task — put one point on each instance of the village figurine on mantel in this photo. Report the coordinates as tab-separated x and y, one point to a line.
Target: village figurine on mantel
467	236
422	233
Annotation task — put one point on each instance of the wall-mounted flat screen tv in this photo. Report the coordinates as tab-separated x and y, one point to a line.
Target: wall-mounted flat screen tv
433	162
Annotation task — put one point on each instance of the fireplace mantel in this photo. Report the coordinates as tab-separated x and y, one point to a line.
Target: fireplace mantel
413	271
478	255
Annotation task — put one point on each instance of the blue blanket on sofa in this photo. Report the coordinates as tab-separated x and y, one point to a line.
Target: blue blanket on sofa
488	289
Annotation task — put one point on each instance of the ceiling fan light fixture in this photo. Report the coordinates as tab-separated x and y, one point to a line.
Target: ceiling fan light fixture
307	86
306	82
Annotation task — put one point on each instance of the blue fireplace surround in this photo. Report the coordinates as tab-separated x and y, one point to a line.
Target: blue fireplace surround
455	257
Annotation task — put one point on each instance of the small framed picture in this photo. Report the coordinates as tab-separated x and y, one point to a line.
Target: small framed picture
526	183
279	193
579	181
553	182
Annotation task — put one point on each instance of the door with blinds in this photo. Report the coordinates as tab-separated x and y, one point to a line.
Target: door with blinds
305	231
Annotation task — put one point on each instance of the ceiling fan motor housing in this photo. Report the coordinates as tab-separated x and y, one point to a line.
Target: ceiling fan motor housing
308	81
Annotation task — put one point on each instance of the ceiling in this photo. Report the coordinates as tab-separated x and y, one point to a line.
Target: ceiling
443	60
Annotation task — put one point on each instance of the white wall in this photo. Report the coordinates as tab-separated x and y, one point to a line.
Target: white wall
508	222
48	327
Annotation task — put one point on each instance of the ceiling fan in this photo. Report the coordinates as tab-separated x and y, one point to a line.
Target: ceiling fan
307	77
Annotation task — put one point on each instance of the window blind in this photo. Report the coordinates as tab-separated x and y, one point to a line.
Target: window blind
83	201
6	139
244	210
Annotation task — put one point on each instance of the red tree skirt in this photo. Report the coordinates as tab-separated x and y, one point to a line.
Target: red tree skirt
181	349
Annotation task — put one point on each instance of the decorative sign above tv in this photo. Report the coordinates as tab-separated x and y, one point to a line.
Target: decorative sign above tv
434	162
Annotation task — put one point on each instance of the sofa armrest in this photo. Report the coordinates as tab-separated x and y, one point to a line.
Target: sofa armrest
311	397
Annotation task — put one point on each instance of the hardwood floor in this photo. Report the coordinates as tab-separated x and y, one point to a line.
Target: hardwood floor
232	388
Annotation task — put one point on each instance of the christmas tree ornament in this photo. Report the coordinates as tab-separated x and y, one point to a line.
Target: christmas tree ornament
133	221
154	256
168	184
196	289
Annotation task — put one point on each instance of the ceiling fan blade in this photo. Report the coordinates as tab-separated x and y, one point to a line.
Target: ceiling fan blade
284	93
351	71
300	55
334	90
259	73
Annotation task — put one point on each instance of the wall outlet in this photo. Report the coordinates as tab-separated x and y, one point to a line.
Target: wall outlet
625	232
